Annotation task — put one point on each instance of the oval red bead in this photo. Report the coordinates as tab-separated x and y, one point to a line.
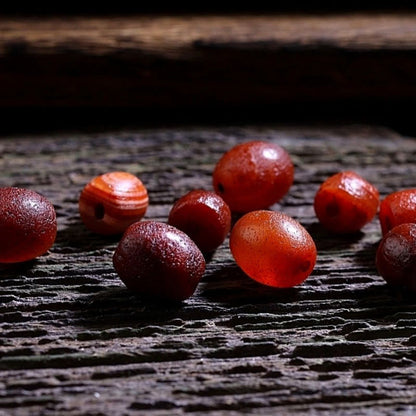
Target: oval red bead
111	202
27	225
204	216
273	248
396	256
345	202
253	175
158	260
397	208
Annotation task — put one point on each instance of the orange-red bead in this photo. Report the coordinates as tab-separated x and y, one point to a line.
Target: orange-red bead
345	202
27	225
253	175
204	216
397	208
113	201
273	248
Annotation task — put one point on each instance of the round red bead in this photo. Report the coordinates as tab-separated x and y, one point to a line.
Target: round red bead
397	208
345	202
253	176
158	260
204	216
396	256
27	225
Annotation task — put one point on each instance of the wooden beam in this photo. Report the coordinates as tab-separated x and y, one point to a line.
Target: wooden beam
213	60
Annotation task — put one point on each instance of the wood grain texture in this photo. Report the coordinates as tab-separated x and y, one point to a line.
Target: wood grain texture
212	60
75	341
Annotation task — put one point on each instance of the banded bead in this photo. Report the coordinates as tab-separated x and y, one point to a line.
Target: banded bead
111	202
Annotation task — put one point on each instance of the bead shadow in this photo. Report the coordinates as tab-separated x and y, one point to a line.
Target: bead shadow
228	284
116	307
324	239
75	237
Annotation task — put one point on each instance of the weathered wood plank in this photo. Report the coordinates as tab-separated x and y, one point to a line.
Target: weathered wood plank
75	341
205	61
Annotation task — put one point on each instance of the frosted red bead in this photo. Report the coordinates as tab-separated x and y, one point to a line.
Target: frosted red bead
204	216
253	175
273	248
111	202
158	260
397	208
27	225
396	256
345	202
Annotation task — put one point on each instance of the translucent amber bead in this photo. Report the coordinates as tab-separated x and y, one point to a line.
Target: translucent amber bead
397	208
27	225
157	260
204	216
273	248
253	176
111	202
345	202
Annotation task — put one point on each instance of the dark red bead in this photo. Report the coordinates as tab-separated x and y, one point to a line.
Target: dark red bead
27	225
158	260
204	216
396	256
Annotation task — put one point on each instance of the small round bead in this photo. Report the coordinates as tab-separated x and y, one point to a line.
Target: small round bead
396	256
204	216
397	208
109	203
27	225
345	202
273	248
158	260
253	176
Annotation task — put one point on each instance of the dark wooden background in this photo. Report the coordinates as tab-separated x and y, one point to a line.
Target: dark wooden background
163	95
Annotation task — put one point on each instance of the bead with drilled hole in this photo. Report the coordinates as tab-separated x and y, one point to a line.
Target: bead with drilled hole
111	202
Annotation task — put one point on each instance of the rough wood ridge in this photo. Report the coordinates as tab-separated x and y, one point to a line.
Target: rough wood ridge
75	342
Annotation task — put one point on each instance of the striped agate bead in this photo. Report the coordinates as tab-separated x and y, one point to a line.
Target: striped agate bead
111	202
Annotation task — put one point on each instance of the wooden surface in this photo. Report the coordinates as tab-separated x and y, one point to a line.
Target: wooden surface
206	61
74	341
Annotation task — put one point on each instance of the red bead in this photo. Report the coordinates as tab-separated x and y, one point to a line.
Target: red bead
111	202
204	216
27	225
273	248
345	202
397	208
158	260
396	256
253	175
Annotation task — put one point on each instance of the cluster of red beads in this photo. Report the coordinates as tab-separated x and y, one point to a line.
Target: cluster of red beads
166	259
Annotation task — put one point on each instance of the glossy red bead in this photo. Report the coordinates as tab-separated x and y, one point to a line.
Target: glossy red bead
345	202
273	248
204	216
27	225
157	260
253	176
397	208
109	203
396	256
